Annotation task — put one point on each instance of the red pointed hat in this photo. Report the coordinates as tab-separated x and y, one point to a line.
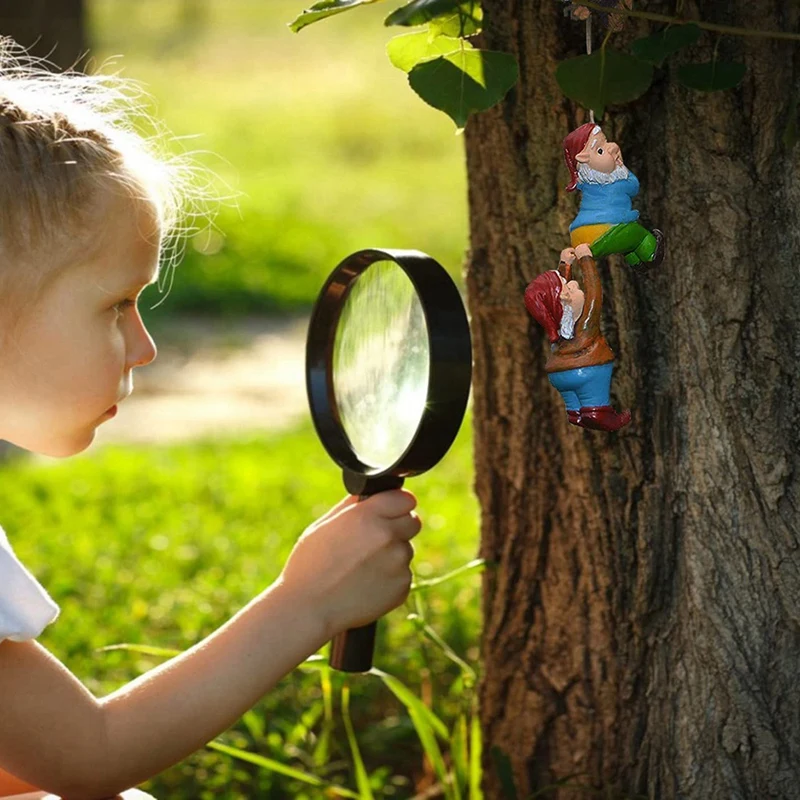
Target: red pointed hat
573	144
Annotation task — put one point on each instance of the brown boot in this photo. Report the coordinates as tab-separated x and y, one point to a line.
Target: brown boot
603	418
574	417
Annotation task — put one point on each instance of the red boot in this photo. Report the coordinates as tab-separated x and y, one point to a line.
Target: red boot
574	417
603	418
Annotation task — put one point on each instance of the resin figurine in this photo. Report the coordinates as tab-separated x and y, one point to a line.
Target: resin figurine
606	221
580	362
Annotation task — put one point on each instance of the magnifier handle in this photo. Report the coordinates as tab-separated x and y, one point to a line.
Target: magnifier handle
352	650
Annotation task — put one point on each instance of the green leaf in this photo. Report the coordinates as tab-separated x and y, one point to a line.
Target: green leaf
362	779
464	82
430	746
502	765
325	8
301	729
656	48
426	724
467	673
255	724
475	749
605	77
476	565
409	49
144	649
282	769
713	76
420	12
315	663
459	752
412	702
322	750
465	21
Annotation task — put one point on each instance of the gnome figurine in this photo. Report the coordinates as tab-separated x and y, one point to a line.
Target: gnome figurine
580	362
606	221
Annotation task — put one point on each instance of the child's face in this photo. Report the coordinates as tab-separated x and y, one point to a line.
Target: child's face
74	352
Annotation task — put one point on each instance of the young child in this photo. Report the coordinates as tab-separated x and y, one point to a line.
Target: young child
85	208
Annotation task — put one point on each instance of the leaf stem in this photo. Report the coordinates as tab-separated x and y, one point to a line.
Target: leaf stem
709	26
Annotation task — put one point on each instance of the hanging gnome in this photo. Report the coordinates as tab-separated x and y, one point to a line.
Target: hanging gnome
606	221
580	362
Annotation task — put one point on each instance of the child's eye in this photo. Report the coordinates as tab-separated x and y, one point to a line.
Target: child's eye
123	304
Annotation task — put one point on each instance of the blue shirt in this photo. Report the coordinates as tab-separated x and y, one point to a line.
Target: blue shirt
608	203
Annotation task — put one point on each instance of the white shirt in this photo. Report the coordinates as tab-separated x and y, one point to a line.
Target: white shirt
25	607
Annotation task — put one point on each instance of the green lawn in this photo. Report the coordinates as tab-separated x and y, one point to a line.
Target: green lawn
329	148
159	546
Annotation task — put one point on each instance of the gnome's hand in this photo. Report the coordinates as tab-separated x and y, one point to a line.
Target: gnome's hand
568	255
583	250
580	12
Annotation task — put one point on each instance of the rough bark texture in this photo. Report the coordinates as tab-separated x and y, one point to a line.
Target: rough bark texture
54	29
642	628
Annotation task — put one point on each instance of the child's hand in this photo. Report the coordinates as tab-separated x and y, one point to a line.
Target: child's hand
353	563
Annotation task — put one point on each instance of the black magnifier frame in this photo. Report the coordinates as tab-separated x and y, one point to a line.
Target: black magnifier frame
449	379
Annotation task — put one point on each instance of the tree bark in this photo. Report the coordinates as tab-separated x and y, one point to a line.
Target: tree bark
52	29
642	626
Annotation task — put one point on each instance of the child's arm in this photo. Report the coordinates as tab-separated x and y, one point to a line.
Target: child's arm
346	570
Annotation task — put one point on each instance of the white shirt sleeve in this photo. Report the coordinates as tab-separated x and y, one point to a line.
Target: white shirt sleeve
25	607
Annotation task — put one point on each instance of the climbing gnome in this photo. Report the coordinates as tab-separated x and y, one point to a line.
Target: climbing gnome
580	362
606	221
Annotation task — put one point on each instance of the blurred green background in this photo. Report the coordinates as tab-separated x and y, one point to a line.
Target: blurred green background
327	147
328	151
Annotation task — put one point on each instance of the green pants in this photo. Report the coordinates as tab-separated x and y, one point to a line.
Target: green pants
629	238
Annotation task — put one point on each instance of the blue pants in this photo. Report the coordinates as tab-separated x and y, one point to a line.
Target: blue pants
585	386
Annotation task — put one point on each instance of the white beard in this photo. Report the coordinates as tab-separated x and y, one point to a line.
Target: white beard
567	327
588	175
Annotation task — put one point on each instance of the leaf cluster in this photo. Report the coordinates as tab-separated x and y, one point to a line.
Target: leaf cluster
444	67
449	73
610	76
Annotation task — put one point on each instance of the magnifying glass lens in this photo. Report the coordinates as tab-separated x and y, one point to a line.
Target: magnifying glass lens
381	364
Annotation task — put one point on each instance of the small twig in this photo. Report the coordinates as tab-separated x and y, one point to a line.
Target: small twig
437	790
709	26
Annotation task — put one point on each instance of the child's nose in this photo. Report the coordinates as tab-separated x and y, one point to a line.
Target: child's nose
143	349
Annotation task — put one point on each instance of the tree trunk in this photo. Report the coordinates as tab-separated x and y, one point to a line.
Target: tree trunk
642	627
54	29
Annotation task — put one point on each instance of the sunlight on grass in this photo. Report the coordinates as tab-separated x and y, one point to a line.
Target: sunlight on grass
158	546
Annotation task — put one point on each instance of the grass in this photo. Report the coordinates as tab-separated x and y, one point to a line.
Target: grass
160	546
330	149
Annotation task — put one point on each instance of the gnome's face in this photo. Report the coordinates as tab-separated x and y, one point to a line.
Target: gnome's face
600	154
572	299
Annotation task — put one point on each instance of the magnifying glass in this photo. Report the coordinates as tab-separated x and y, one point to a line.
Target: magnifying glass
388	372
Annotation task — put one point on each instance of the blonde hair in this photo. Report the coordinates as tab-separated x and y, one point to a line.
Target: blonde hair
63	136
